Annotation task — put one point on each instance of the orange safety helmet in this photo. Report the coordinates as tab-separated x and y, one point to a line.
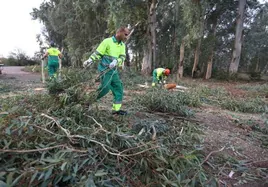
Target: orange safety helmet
166	72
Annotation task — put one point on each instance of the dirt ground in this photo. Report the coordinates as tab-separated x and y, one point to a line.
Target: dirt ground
15	72
222	129
14	78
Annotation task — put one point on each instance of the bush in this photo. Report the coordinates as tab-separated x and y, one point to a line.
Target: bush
244	105
132	78
165	101
255	76
220	75
70	78
34	68
256	88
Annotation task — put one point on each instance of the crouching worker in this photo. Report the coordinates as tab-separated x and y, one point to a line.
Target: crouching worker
111	53
160	75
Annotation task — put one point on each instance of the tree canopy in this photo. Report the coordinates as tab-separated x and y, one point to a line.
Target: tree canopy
201	36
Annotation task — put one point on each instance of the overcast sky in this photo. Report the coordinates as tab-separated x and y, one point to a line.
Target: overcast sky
17	29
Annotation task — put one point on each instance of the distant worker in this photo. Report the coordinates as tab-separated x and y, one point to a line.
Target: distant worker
160	75
53	55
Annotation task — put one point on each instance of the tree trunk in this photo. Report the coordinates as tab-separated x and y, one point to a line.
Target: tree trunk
146	66
209	66
257	63
149	56
152	24
265	69
238	38
202	24
196	56
175	44
210	59
135	60
180	66
175	37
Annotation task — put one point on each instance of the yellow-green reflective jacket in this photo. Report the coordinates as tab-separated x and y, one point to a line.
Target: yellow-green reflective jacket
107	51
53	55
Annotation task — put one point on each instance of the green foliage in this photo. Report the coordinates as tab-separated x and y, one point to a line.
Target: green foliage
70	78
18	58
5	88
79	26
58	139
75	25
220	75
226	76
255	76
86	162
34	69
62	142
161	100
261	88
132	78
255	45
244	105
220	97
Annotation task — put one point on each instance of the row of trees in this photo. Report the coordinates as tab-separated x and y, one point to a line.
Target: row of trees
186	36
18	57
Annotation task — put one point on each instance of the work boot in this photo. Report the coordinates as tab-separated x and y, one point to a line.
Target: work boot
119	112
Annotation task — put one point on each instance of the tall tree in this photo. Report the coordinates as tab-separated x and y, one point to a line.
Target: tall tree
255	47
214	12
238	37
193	16
200	10
171	33
149	58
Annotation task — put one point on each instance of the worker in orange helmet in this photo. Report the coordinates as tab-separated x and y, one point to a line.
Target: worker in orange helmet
160	75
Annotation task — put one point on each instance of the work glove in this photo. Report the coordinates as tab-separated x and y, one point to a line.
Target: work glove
113	64
87	63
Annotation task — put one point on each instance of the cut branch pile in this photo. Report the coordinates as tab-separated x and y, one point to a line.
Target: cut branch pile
56	140
49	140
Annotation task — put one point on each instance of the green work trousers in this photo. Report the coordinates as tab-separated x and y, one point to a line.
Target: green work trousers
111	81
52	69
155	80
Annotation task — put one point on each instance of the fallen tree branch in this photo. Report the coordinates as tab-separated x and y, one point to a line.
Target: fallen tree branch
42	149
31	150
132	148
101	127
138	153
120	153
44	129
181	131
212	152
263	163
175	116
154	133
105	147
66	131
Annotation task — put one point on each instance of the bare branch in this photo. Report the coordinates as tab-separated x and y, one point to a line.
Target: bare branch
31	150
212	152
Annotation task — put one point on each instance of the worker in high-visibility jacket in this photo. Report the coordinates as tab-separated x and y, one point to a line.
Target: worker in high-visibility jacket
111	53
160	75
53	55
